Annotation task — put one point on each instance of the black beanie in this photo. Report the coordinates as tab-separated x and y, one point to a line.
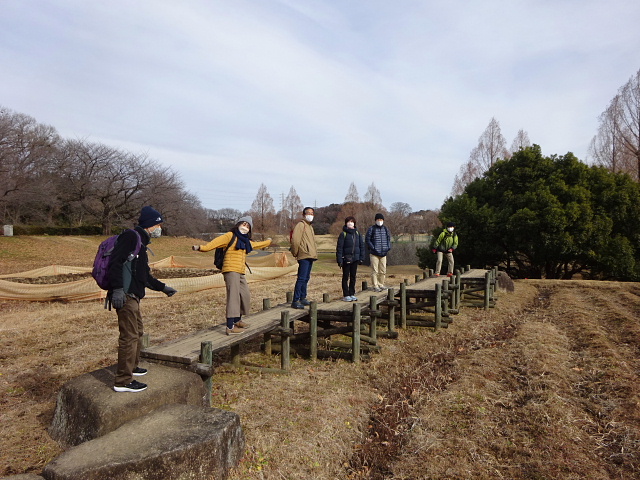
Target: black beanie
451	224
149	217
379	216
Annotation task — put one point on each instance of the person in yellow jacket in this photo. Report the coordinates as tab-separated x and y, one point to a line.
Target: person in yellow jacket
233	270
303	248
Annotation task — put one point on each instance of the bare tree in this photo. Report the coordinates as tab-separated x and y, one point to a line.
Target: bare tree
352	194
491	147
521	141
27	173
616	146
262	209
373	196
107	183
292	207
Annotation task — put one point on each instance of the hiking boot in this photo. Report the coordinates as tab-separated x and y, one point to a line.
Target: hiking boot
139	371
305	302
449	274
234	331
297	305
241	324
134	386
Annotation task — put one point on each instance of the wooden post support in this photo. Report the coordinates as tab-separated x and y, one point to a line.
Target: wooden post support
467	268
206	357
425	274
487	289
445	304
438	305
144	341
326	298
365	285
266	305
356	333
289	297
373	326
313	331
458	292
285	340
403	305
392	310
416	278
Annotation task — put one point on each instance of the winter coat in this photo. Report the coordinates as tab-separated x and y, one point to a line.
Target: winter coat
136	269
378	240
234	259
350	246
303	241
446	240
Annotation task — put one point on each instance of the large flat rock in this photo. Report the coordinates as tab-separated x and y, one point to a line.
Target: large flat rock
175	442
87	407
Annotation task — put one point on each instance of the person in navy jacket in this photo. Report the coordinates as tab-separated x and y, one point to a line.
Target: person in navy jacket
349	254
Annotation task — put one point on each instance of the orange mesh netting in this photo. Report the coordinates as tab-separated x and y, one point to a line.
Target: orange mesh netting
263	267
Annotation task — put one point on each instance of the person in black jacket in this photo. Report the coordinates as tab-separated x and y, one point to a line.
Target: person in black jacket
128	276
349	254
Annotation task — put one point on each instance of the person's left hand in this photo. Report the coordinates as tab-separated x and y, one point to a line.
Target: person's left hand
450	250
168	291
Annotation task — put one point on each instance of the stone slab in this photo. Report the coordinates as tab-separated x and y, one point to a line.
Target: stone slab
87	406
174	442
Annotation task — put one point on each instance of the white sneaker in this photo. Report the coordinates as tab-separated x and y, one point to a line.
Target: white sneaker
346	299
353	298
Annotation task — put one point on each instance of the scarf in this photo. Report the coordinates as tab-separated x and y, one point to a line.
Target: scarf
243	242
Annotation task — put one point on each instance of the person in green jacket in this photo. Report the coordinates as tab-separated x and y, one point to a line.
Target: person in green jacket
446	243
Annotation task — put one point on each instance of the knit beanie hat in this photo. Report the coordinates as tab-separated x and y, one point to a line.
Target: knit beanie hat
247	219
149	217
379	216
451	224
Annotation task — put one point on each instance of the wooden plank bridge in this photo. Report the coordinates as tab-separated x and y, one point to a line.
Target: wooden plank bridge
429	302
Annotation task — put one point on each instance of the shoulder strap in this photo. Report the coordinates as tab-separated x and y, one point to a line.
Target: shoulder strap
230	242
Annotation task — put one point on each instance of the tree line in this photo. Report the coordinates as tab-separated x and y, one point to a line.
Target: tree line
89	187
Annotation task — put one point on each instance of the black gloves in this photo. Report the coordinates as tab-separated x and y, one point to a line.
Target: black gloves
118	298
168	290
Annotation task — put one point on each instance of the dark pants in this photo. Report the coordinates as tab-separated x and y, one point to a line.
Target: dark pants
304	274
349	271
130	326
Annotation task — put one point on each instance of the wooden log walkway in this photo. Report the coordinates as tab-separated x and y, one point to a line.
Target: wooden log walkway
441	296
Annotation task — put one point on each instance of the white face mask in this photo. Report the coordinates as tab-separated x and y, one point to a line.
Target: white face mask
350	225
243	230
308	218
379	222
156	233
450	229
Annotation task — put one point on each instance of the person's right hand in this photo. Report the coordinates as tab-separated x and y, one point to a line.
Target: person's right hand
196	248
433	250
118	298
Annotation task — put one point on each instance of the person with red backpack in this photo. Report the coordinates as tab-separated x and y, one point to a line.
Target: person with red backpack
129	275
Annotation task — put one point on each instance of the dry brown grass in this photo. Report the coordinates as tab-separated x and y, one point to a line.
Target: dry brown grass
543	386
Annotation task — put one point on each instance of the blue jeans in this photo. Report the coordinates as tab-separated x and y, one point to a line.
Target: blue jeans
304	274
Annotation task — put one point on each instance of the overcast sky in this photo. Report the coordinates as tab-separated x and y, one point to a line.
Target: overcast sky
317	94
